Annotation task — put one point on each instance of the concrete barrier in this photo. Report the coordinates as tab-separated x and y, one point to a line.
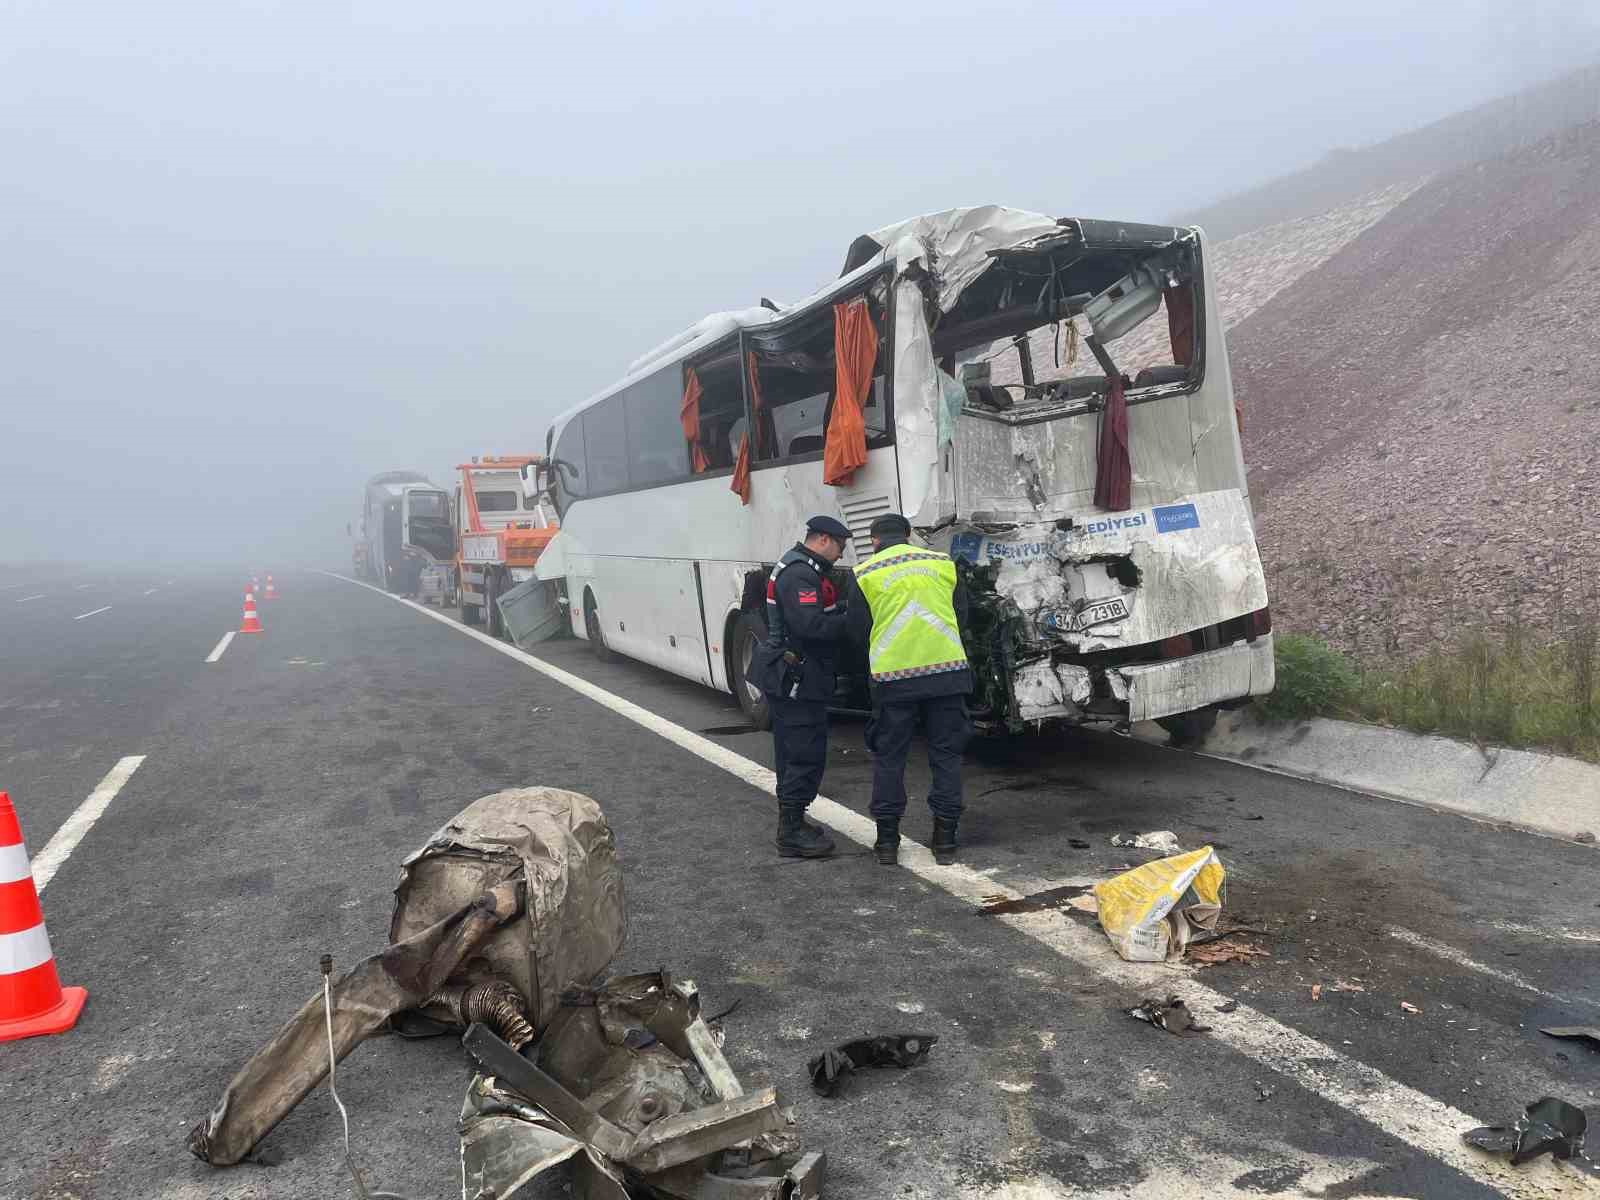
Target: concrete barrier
1545	793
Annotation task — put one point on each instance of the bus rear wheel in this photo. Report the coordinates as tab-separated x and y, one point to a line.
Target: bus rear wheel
591	627
493	624
1189	729
749	631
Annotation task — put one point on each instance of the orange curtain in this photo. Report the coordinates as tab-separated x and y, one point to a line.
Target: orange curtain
757	406
741	470
689	418
855	351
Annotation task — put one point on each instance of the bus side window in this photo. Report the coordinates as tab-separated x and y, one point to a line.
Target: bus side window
657	452
721	403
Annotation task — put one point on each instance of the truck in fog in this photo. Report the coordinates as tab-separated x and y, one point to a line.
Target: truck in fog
407	545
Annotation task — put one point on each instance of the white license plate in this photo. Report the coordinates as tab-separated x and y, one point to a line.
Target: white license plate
1101	611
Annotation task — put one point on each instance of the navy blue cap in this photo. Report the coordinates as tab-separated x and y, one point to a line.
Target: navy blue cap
828	526
890	525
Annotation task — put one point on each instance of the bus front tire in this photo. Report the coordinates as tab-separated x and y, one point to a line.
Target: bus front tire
748	633
1189	729
591	627
493	624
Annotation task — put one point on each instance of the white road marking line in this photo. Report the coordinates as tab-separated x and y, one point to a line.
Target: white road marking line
221	646
1451	954
1554	932
78	587
152	591
92	612
48	861
25	599
1419	1120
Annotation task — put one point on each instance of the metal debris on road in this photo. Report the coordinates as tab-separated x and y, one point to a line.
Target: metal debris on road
831	1068
1078	843
1163	840
1170	1014
1585	838
515	898
1316	991
1547	1126
1407	1006
1263	1092
1152	912
1582	1033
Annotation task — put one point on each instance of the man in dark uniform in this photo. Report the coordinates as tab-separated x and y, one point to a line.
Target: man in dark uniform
915	609
806	621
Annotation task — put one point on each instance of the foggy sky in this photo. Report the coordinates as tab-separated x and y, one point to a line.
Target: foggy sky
256	252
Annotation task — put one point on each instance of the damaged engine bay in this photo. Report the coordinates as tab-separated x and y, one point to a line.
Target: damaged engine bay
502	923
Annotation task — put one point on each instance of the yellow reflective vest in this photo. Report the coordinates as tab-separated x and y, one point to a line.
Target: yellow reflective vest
914	631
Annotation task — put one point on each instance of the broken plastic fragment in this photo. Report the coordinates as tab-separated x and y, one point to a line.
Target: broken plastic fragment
1170	1014
1547	1126
830	1068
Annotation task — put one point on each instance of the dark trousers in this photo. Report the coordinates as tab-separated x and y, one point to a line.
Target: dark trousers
800	749
947	727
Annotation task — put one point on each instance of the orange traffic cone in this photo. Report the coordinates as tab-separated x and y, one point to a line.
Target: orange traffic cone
252	623
32	1000
272	592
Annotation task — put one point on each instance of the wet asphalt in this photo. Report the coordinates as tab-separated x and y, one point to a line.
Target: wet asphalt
283	785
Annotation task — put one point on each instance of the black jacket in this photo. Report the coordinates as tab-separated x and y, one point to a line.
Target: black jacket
806	622
918	687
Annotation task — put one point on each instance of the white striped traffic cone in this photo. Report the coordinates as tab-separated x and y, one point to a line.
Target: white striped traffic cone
252	623
272	592
32	1000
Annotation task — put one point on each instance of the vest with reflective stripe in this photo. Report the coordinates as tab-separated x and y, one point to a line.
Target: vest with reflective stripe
914	629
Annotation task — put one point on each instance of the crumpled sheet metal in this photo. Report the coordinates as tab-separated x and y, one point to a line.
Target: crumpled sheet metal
574	920
1547	1126
279	1075
494	889
663	1113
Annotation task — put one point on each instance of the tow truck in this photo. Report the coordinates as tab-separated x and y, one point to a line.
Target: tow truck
501	531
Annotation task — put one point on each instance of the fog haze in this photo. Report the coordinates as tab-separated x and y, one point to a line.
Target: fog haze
258	252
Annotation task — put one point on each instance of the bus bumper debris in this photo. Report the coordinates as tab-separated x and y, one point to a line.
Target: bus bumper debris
1547	1126
830	1069
1151	912
517	897
1163	840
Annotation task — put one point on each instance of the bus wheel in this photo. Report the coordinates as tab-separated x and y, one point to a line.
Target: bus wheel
748	633
591	626
493	624
1189	729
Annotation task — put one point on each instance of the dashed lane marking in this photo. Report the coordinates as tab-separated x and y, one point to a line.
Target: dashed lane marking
1422	1122
221	646
25	599
78	587
152	591
56	851
1451	954
92	612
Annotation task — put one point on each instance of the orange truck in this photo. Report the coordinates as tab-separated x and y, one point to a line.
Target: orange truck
503	524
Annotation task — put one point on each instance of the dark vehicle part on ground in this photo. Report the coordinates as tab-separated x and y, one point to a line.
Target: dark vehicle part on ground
513	900
629	1084
1170	1014
1547	1126
830	1069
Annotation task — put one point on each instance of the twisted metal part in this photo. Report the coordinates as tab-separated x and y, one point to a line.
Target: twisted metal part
496	1004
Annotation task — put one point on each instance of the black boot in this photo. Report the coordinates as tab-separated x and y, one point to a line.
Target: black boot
799	838
944	840
887	847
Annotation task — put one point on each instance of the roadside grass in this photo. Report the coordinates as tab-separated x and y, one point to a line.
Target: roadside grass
1490	687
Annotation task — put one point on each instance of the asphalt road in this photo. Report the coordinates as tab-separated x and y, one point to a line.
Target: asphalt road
281	786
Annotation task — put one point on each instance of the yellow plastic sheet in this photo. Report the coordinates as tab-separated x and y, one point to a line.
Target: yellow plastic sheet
1150	912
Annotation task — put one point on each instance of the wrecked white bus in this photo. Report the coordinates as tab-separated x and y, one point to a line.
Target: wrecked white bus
1003	379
